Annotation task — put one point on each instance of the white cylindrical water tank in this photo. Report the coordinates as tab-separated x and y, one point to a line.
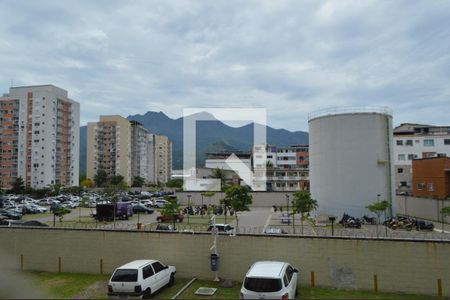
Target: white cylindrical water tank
351	159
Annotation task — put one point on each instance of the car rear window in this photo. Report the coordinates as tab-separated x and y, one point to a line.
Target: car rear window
262	285
125	275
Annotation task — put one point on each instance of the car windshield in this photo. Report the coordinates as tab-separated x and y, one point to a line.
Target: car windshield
125	275
262	285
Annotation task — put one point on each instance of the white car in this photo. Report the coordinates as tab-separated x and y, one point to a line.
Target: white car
159	203
270	280
140	278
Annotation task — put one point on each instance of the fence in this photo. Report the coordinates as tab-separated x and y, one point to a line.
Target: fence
367	231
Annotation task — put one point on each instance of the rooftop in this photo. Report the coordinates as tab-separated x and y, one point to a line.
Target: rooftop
268	269
137	263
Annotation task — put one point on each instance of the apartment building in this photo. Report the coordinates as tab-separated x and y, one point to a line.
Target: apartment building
109	147
163	158
142	153
416	141
122	147
287	168
39	137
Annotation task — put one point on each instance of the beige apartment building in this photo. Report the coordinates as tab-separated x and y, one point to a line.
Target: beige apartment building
109	147
39	137
163	158
122	147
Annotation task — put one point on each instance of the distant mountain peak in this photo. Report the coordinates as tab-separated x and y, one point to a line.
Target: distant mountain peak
211	136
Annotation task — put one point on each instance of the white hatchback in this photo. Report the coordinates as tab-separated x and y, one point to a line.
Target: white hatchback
140	278
270	280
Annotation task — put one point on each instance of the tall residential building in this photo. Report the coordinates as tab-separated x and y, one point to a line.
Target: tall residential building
109	147
39	137
122	147
142	153
415	141
163	158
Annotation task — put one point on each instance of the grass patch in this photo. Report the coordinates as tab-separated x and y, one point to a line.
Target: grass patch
36	216
329	293
221	293
66	285
199	220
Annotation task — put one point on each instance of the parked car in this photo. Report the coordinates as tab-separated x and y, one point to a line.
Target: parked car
424	225
142	209
285	218
165	227
34	223
274	231
105	212
159	203
11	214
140	278
270	280
9	223
39	208
170	218
222	228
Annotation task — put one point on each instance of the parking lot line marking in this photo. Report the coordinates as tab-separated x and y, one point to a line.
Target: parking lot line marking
269	218
440	230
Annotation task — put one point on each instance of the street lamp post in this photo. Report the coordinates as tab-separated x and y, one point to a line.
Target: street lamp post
189	206
287	203
332	219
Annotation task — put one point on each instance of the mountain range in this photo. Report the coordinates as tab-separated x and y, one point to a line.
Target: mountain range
212	136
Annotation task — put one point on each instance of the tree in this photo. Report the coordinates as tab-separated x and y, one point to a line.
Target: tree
138	181
171	208
87	183
239	199
101	178
303	204
226	206
18	186
378	208
445	212
116	180
175	183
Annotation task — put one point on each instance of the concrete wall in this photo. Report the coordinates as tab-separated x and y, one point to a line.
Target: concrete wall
407	266
260	199
425	208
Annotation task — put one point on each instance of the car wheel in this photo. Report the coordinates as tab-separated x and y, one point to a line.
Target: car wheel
147	294
172	279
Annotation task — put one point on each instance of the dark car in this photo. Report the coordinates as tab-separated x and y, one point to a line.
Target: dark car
34	223
169	218
142	209
165	227
11	214
424	225
221	228
29	209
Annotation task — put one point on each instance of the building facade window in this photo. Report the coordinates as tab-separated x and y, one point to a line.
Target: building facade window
401	157
428	143
400	170
409	143
420	186
399	142
446	141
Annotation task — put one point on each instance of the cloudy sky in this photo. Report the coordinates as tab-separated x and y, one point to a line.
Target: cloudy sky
292	57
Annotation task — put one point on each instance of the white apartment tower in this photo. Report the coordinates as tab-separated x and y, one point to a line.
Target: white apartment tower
39	137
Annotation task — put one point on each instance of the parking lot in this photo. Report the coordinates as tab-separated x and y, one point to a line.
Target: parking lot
256	221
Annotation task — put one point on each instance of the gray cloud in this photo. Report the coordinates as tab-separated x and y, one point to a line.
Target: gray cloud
127	57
